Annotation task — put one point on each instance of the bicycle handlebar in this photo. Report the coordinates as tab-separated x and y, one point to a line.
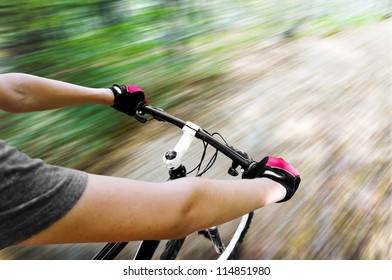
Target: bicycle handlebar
201	134
147	248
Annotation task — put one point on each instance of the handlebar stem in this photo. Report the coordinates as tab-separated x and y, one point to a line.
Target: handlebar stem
173	158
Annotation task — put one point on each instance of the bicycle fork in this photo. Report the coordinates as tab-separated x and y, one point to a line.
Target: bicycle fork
216	240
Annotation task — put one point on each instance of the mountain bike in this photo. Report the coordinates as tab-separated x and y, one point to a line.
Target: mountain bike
225	249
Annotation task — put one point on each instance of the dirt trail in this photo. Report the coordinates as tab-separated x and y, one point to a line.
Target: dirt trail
322	103
327	107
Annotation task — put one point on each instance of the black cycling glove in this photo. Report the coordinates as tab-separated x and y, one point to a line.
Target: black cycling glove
278	170
127	97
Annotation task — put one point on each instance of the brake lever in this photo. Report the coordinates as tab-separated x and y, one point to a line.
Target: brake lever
140	112
139	118
233	169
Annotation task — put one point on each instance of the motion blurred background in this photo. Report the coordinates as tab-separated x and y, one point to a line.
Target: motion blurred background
306	80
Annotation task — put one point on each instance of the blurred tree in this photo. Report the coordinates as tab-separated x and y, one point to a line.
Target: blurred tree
23	22
164	45
110	12
33	26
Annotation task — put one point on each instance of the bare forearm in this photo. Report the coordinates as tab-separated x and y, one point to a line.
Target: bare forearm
26	93
214	202
115	209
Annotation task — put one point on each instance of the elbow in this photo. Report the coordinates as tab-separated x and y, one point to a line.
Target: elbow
12	108
190	216
9	104
184	218
12	93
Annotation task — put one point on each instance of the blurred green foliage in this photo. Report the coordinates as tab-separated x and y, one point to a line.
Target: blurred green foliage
165	46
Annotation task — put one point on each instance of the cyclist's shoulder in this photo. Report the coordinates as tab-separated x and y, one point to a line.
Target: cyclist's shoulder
8	153
5	148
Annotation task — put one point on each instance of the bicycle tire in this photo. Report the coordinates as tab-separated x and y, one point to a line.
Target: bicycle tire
232	249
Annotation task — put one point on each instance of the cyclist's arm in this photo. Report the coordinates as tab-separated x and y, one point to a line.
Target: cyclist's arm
26	93
116	209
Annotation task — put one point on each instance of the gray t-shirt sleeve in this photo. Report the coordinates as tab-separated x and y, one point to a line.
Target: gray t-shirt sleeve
33	194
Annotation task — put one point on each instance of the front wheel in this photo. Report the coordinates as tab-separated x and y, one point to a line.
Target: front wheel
236	237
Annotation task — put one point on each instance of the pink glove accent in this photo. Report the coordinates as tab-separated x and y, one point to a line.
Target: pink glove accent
282	164
134	88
